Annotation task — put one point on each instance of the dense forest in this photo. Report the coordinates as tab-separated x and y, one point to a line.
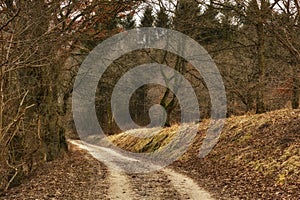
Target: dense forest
255	44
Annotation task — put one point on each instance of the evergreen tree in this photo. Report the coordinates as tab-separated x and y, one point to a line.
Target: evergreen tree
209	27
140	98
148	18
186	11
129	22
162	19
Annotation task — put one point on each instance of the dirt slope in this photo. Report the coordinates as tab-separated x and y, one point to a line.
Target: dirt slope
257	156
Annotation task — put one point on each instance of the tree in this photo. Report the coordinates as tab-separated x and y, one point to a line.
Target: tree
129	22
147	18
139	100
284	25
257	15
181	17
34	90
252	17
254	43
162	19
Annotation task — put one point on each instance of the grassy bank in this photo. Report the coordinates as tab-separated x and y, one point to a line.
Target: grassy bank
257	156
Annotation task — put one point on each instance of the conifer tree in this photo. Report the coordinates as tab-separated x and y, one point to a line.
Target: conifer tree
186	11
129	22
162	19
148	18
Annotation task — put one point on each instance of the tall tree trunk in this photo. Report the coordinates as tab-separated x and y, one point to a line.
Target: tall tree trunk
296	86
260	106
141	105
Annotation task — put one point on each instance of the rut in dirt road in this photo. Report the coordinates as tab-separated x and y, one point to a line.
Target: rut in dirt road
162	184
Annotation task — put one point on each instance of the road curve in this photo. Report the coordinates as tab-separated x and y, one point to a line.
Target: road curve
121	183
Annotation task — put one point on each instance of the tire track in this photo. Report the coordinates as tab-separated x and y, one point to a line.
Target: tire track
186	186
119	185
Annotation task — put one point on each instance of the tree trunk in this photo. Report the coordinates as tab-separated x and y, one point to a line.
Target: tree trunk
260	106
296	86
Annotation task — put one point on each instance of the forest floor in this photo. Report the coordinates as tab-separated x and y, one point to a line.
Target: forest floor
75	175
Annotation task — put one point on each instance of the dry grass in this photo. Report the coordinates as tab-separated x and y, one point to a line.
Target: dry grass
148	144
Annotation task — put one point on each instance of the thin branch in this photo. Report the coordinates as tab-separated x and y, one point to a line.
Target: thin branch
10	20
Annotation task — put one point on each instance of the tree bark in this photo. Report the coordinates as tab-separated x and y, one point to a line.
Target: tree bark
296	86
260	106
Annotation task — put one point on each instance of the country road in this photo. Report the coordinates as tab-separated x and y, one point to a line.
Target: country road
162	184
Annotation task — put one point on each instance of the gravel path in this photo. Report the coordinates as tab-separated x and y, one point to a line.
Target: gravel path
163	184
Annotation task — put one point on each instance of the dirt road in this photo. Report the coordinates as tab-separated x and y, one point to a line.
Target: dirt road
162	184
